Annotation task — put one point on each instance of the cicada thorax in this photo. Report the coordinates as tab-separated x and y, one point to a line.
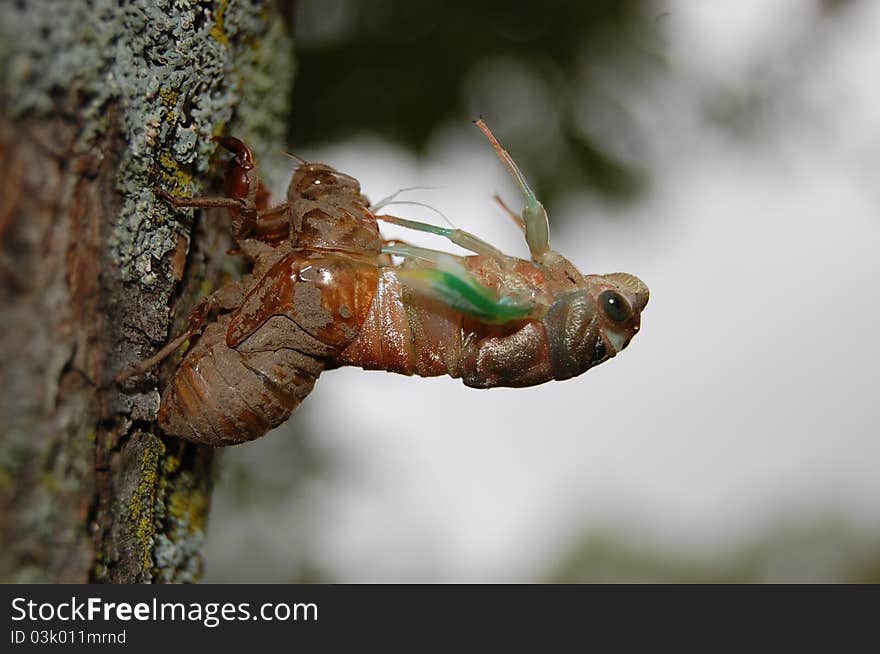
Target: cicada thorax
253	366
330	214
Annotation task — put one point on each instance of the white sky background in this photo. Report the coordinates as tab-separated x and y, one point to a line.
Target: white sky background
750	393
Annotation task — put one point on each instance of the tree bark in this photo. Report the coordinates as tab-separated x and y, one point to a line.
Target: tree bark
101	101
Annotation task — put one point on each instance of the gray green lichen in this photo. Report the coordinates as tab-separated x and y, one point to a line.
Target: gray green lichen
167	513
184	512
142	505
179	72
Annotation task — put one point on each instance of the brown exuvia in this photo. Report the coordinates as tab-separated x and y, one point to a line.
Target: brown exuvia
326	291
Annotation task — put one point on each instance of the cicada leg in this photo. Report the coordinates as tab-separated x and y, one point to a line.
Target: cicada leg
460	237
246	198
534	216
226	297
200	203
409	251
515	217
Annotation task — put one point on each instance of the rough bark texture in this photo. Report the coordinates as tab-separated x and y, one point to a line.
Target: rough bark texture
101	101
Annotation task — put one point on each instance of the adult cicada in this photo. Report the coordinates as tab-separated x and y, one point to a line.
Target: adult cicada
326	291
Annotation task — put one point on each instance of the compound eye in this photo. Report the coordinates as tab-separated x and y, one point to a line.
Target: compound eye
615	306
324	178
314	182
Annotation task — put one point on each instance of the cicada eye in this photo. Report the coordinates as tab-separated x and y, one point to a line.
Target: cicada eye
312	181
615	306
323	178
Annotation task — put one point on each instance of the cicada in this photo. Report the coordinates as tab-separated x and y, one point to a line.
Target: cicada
326	290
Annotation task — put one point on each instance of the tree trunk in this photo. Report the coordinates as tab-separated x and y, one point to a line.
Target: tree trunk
101	101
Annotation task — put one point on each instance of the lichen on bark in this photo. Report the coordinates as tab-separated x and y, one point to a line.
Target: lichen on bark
179	71
101	101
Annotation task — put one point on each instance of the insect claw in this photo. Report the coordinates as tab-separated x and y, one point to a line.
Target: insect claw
243	155
162	194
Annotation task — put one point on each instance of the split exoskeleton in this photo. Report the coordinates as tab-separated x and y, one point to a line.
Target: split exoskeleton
325	291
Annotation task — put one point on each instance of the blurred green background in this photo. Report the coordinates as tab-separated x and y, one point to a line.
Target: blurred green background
401	70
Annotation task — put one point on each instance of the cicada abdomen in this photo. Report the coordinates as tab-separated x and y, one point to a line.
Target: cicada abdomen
222	395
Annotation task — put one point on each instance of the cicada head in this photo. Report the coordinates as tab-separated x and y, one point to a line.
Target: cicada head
593	323
315	180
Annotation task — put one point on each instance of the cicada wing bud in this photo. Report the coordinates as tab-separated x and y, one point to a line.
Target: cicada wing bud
451	284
